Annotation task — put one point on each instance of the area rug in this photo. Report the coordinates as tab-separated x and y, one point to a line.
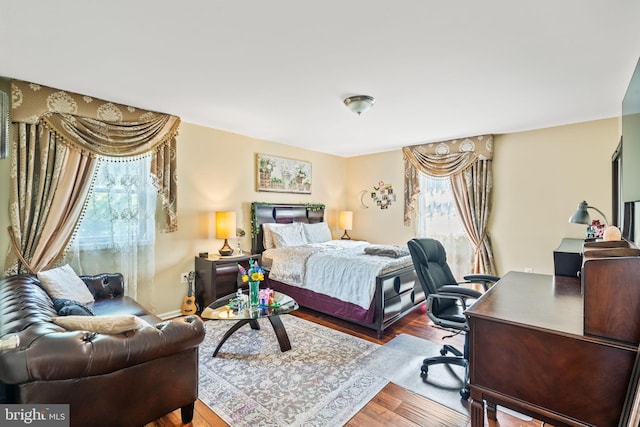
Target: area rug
400	360
321	381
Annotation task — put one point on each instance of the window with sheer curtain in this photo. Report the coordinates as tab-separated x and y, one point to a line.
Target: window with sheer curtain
438	219
116	232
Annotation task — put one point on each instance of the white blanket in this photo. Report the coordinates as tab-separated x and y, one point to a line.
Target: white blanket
338	268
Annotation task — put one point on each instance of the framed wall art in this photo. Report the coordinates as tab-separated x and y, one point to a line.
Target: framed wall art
281	175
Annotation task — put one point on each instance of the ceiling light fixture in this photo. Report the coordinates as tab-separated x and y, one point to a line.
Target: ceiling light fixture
360	103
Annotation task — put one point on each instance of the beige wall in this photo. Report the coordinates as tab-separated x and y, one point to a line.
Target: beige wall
539	178
372	223
216	172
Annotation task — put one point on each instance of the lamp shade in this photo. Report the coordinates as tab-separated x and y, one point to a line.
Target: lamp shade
225	225
345	220
581	216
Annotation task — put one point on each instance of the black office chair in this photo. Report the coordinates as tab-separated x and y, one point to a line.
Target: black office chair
446	300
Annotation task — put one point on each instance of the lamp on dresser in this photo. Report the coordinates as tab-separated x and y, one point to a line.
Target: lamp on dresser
225	229
345	221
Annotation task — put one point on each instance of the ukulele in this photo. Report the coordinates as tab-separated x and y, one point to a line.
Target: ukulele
189	305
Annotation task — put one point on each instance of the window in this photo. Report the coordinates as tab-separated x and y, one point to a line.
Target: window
117	229
438	219
121	208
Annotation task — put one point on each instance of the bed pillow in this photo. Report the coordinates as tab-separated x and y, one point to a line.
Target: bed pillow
267	237
64	283
112	324
317	233
288	235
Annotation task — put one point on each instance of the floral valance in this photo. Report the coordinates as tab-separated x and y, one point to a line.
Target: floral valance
102	128
449	157
440	159
113	139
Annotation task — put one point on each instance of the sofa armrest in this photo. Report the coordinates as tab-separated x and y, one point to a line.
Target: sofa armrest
106	285
74	354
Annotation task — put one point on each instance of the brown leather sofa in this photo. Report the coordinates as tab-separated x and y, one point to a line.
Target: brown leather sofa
127	379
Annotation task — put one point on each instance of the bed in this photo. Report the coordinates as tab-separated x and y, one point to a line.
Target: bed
377	300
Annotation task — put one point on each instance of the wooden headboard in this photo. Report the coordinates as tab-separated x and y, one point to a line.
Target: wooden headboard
262	213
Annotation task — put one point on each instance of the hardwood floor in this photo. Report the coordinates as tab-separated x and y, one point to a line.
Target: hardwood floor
394	405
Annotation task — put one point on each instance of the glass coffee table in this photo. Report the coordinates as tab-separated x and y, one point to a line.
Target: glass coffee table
225	309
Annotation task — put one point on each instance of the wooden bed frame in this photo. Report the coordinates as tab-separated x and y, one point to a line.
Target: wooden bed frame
397	293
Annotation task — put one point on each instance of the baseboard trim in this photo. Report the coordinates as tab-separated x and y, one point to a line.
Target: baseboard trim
170	314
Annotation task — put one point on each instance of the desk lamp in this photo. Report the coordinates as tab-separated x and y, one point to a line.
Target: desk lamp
225	229
581	216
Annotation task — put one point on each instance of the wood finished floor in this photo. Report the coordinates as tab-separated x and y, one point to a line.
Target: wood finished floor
394	405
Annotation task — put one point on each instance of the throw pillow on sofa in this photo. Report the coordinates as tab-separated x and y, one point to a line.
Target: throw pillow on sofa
63	282
67	307
110	324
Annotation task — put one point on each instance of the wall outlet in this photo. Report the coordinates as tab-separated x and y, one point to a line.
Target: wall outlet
184	277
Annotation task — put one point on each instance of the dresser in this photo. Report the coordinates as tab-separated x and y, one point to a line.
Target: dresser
217	276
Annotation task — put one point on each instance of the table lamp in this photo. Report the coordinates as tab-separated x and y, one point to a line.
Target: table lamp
345	221
225	229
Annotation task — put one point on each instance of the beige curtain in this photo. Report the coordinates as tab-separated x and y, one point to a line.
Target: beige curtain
58	136
49	181
472	194
467	162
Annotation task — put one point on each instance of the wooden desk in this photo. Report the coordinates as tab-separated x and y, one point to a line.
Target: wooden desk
528	352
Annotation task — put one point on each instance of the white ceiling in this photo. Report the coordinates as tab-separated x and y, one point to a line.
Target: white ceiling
278	70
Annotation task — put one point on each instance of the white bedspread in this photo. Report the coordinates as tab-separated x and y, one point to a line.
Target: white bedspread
338	268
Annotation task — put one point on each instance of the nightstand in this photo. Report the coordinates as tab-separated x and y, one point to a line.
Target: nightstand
217	276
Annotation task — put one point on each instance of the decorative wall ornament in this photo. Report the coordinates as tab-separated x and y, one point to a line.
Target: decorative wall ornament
282	175
382	194
362	193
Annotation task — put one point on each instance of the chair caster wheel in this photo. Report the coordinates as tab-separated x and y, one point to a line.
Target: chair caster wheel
443	352
424	372
465	393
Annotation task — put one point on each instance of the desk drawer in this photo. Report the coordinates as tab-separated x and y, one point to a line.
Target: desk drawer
569	375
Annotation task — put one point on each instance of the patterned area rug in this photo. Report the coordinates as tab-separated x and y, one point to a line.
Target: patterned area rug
321	381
